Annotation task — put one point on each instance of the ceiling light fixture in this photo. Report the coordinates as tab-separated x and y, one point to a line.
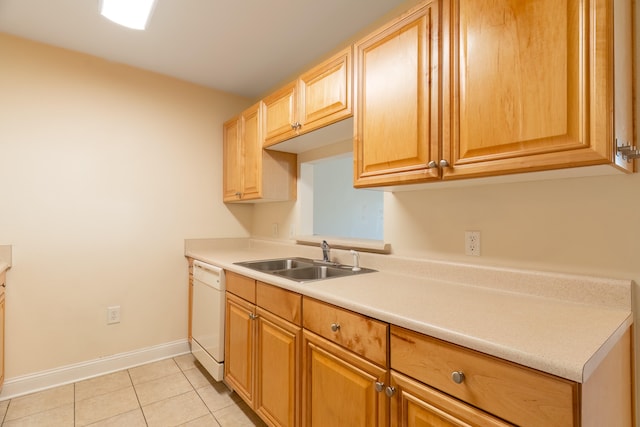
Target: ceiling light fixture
129	13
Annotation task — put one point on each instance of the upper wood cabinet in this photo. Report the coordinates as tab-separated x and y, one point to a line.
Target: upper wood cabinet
529	85
251	173
396	111
470	88
319	97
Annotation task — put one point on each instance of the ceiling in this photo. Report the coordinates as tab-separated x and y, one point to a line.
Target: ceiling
246	47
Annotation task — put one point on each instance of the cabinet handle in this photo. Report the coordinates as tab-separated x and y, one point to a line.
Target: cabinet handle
444	163
457	377
432	165
390	391
238	195
335	327
379	386
253	316
296	125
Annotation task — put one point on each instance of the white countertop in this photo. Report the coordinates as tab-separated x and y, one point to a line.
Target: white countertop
556	323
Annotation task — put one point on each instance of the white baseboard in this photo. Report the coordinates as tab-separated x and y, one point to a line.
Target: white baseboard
25	384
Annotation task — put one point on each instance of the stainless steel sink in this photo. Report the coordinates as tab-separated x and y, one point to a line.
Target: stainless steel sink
302	269
268	265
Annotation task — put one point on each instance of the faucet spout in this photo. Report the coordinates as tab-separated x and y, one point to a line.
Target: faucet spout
325	251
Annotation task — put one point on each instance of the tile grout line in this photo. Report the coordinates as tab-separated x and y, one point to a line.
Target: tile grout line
137	398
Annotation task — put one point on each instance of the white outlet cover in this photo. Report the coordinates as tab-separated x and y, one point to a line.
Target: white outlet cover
472	243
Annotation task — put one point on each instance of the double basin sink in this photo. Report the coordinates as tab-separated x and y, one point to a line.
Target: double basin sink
303	269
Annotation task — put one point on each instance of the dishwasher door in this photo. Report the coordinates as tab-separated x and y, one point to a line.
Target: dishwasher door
207	328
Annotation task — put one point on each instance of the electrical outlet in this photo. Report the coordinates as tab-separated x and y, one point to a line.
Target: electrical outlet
113	314
472	243
292	231
274	229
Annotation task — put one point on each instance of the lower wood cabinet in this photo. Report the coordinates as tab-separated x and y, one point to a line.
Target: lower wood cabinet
453	386
277	370
345	367
339	387
298	361
2	312
239	344
262	348
415	404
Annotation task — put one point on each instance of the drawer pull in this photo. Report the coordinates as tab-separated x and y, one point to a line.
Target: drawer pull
390	391
457	377
379	386
335	327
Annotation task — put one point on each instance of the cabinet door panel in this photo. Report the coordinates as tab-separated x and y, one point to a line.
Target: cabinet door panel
325	92
527	93
278	373
232	155
279	114
239	347
396	93
339	387
416	405
252	155
2	321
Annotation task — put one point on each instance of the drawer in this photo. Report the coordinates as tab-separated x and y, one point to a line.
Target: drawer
280	302
515	393
364	336
242	286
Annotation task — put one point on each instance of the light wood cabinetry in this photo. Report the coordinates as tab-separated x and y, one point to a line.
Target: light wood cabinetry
262	348
317	98
341	383
249	172
300	361
531	88
415	404
190	302
3	285
485	88
396	109
239	346
485	385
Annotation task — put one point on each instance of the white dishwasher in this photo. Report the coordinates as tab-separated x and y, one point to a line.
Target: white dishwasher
207	327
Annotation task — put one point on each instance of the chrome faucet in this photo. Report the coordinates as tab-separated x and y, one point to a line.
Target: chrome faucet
325	251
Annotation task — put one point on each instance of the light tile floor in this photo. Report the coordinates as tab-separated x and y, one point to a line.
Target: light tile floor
171	392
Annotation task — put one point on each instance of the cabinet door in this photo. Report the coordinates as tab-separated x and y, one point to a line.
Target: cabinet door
2	319
531	86
397	101
415	404
252	152
280	114
277	370
325	92
339	387
190	297
239	339
232	160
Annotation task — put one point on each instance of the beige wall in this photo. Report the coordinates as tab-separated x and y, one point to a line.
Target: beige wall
104	171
